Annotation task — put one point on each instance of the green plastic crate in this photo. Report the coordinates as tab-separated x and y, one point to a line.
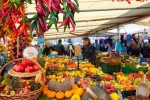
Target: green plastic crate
144	69
109	69
128	70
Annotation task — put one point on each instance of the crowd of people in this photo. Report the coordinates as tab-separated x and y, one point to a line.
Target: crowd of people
89	49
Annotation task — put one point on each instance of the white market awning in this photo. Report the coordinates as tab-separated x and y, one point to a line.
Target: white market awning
99	15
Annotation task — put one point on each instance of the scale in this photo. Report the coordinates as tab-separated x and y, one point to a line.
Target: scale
30	52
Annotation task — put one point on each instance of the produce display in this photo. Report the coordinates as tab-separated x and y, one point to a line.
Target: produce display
59	64
67	84
14	85
18	84
62	78
25	66
73	92
86	65
16	46
2	47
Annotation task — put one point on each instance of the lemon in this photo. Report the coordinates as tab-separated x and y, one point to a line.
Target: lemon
75	97
114	96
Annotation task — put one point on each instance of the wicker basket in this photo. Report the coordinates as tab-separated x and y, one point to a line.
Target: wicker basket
33	95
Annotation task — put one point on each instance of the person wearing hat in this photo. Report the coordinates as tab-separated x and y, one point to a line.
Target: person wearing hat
88	51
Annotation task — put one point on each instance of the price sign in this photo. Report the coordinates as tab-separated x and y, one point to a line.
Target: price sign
77	50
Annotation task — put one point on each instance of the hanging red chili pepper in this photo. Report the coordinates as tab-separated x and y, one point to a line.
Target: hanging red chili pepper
72	23
64	22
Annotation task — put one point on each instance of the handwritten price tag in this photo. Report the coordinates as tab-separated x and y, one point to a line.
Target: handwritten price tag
77	50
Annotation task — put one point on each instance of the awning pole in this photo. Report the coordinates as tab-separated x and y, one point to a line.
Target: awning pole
118	33
149	29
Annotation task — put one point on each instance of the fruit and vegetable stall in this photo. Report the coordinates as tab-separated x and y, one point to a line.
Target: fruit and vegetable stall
41	78
61	79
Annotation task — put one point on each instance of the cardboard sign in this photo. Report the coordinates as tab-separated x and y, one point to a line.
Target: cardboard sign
77	50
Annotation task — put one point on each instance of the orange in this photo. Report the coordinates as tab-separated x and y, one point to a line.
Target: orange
68	94
60	95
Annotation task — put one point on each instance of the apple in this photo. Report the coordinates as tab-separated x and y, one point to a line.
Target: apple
23	65
112	87
27	62
36	68
18	68
29	69
107	86
108	91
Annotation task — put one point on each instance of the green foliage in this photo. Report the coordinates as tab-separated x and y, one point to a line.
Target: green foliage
34	85
15	83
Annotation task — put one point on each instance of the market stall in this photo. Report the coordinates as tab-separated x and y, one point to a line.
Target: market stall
27	75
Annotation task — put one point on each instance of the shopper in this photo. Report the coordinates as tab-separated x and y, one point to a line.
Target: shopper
124	49
103	48
96	45
47	48
109	48
146	51
134	49
70	50
60	48
88	50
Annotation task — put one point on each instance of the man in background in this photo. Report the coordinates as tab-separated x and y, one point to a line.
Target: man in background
60	48
88	51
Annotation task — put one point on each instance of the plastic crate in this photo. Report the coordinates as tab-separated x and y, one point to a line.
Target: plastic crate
109	69
128	70
144	69
128	93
